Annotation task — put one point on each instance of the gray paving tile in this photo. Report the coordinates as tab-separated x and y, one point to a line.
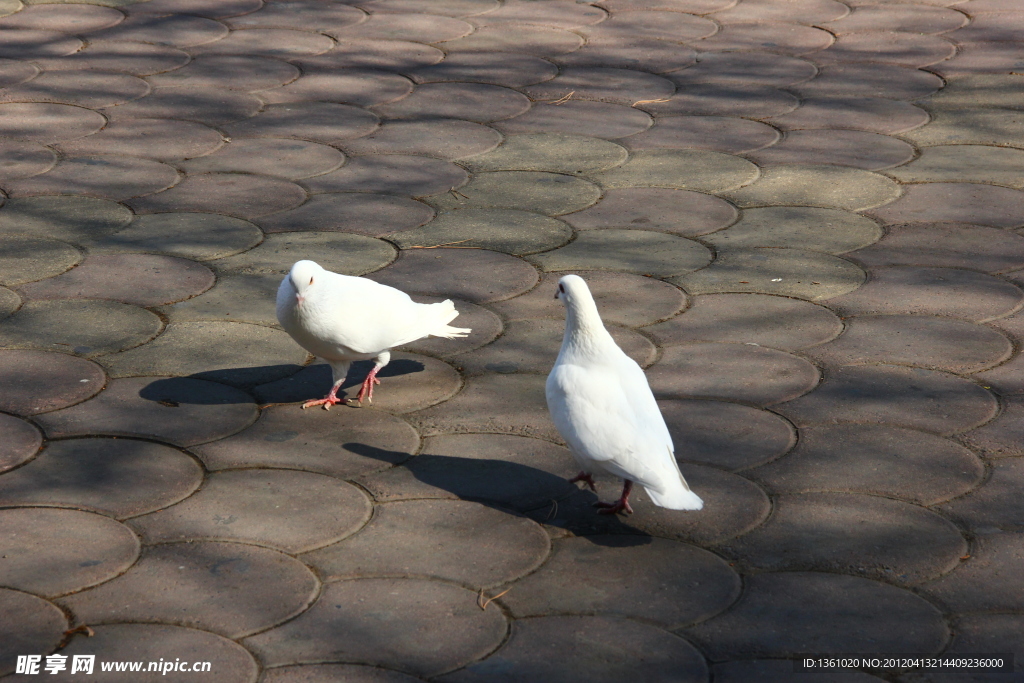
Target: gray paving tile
179	30
635	251
478	102
197	585
267	42
420	28
817	185
552	194
21	441
505	230
971	126
49	551
682	169
951	245
561	648
959	163
725	99
893	47
212	106
86	327
801	12
291	159
691	6
618	86
345	253
364	52
498	68
34	382
70	19
998	207
237	194
198	236
24	259
553	152
994	504
1001	437
348	86
746	68
299	14
870	80
540	41
159	139
981	57
912	19
9	302
728	134
983	633
325	673
483	546
325	122
681	212
239	298
137	59
781	671
452	8
417	626
859	149
598	119
676	26
13	71
47	123
986	26
608	46
32	625
81	88
370	214
459	273
339	443
400	174
23	159
558	15
871	114
785	38
448	139
986	580
24	43
104	176
830	230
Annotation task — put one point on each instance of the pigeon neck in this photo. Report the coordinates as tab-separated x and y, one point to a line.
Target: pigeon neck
583	325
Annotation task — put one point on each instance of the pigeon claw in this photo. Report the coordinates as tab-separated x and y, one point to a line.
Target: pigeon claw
614	508
366	391
325	402
586	478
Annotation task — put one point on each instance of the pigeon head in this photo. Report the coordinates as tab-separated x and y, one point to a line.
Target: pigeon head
572	289
304	275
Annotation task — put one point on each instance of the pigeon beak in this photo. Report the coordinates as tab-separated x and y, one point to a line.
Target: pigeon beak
299	299
556	293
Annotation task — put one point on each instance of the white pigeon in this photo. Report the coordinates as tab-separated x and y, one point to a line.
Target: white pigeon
341	319
603	407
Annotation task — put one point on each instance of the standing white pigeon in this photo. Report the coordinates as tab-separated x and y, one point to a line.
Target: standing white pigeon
341	319
603	407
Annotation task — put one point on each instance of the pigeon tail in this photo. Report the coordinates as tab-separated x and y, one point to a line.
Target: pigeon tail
680	498
442	314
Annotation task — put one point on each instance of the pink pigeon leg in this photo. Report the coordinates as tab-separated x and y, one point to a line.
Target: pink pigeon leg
329	400
584	477
366	391
621	505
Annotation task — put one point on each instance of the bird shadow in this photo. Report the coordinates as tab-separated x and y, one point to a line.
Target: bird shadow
510	487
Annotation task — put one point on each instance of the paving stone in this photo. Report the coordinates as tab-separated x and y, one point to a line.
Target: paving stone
24	43
935	291
358	52
215	9
1001	437
13	72
358	212
872	114
552	194
752	319
140	279
498	68
443	138
414	382
859	149
909	18
746	68
801	12
716	133
326	673
789	612
952	163
422	627
998	207
1005	379
817	185
784	38
234	72
292	511
560	648
198	585
420	28
987	581
870	80
1004	127
119	477
235	354
212	106
725	435
504	230
22	159
1008	26
784	272
82	88
104	176
895	542
198	236
33	382
995	504
87	327
160	139
781	671
737	372
178	410
147	642
691	6
553	152
499	469
238	194
476	275
662	209
32	625
539	41
483	546
750	101
21	441
9	302
305	15
683	169
318	121
491	404
179	30
598	119
799	227
623	50
477	102
138	59
531	345
980	58
400	174
453	8
241	298
363	88
24	259
267	42
675	26
47	123
891	47
50	551
661	573
908	397
340	443
636	251
70	19
983	633
616	295
618	86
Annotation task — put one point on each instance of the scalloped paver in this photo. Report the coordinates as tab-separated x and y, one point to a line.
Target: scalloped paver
683	169
304	15
892	47
84	326
987	581
483	546
756	319
197	585
799	227
137	59
267	42
553	152
999	207
476	275
81	88
798	12
362	88
613	49
447	139
424	627
478	102
635	251
104	176
33	382
212	106
327	673
970	126
291	159
21	441
159	139
856	148
326	122
742	68
26	43
23	159
817	185
236	297
910	18
9	302
738	372
400	174
954	163
788	39
548	193
368	214
31	625
618	86
728	134
46	123
505	230
681	212
886	461
237	194
870	80
340	252
994	505
540	41
179	30
13	71
652	24
871	114
121	477
420	28
72	18
24	259
725	99
49	551
198	236
498	68
598	119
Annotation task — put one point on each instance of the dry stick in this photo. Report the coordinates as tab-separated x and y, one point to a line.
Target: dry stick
446	244
664	99
483	605
562	100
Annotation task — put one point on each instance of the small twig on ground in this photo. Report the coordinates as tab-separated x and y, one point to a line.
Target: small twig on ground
663	99
562	100
446	244
457	194
89	633
482	604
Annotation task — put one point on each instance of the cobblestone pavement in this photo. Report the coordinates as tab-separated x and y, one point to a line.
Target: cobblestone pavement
801	216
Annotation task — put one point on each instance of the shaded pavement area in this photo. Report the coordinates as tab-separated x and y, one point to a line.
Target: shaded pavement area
800	216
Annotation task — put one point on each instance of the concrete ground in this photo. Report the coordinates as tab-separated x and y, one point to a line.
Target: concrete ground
800	216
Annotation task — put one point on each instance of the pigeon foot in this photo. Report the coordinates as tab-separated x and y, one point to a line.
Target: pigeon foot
366	391
326	402
621	505
586	478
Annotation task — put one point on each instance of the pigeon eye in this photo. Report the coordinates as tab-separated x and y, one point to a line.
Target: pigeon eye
561	288
310	280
